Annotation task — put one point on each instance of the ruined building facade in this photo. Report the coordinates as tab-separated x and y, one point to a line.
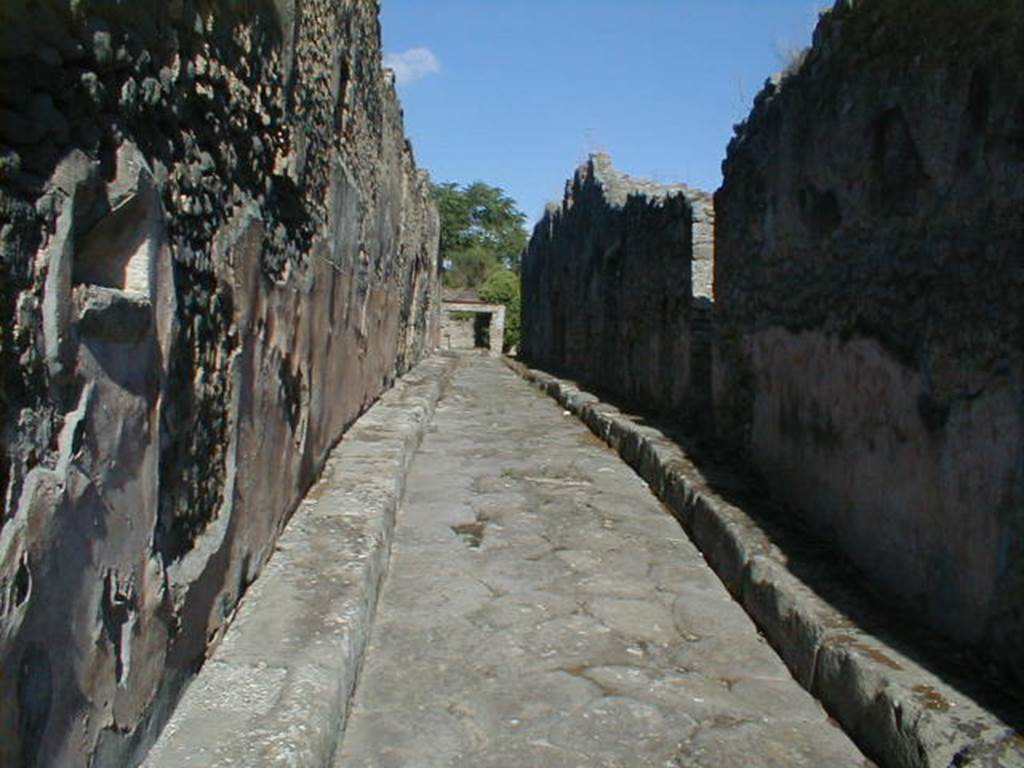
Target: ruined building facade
215	252
609	281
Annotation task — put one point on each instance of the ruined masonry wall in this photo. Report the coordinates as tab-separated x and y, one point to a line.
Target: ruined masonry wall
215	252
869	353
607	286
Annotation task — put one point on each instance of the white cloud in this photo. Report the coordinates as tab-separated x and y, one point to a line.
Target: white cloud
412	65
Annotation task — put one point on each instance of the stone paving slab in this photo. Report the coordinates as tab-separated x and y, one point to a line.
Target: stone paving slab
544	609
277	689
900	713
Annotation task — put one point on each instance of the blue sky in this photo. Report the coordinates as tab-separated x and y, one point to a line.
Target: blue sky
516	93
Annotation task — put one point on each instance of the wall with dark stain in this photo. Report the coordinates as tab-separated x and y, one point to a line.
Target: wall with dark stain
869	276
215	252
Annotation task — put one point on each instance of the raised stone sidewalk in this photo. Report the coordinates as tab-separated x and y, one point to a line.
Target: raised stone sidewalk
276	691
837	644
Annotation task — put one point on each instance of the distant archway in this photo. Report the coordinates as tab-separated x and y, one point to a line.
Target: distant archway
471	325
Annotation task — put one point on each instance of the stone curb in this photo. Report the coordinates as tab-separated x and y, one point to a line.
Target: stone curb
897	712
276	692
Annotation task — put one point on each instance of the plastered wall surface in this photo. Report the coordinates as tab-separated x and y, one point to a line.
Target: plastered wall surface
215	252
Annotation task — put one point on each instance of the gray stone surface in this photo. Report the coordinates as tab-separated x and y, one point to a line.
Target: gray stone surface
543	609
277	690
899	712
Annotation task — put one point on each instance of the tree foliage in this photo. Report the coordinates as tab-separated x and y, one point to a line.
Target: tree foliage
482	230
502	287
483	235
469	267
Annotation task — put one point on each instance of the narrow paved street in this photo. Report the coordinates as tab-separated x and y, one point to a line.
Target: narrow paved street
543	609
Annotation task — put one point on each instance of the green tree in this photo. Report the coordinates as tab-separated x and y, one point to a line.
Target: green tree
453	207
502	287
470	267
482	229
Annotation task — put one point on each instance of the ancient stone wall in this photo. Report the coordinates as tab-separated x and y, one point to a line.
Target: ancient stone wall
702	206
869	289
607	286
215	252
